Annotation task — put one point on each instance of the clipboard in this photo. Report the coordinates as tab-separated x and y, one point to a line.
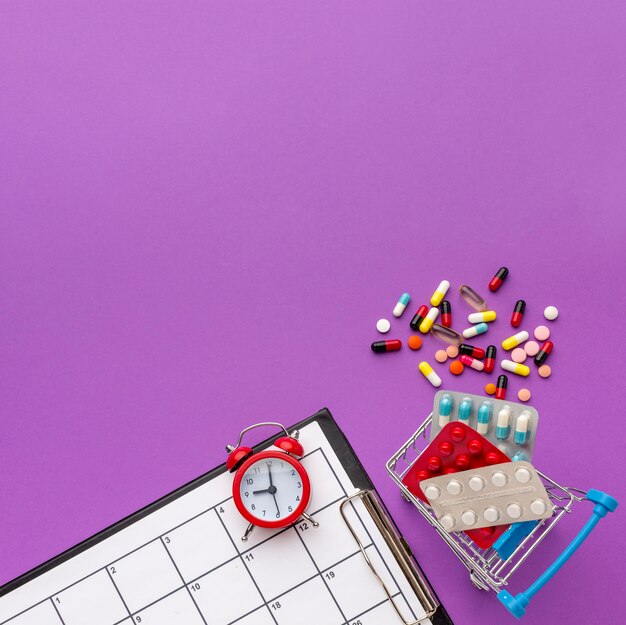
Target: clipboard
34	598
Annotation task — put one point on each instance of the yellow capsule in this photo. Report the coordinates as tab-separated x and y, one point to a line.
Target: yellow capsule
429	319
515	340
515	367
429	374
481	317
440	293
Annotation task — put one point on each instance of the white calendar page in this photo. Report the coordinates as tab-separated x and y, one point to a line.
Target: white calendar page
185	564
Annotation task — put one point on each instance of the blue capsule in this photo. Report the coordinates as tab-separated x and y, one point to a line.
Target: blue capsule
445	409
465	410
502	424
484	415
521	428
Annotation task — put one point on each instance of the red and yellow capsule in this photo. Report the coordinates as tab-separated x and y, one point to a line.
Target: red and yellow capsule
518	313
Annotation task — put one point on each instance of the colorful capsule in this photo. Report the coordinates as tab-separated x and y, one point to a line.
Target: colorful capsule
465	410
515	367
502	424
428	320
392	345
440	293
405	298
447	335
445	409
518	313
521	428
472	298
446	314
420	315
470	350
498	279
490	359
515	340
481	328
468	361
501	385
483	418
429	374
545	350
484	316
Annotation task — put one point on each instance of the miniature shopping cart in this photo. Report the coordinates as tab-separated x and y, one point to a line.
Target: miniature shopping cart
489	568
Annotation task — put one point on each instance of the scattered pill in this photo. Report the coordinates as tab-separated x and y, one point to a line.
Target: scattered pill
544	371
515	367
490	388
551	313
518	355
531	348
481	328
498	279
383	326
544	352
515	340
414	342
439	293
518	313
429	374
420	315
405	298
392	345
542	333
472	298
447	335
521	429
502	424
501	385
470	350
483	417
446	314
468	361
479	317
441	356
452	351
490	359
523	394
456	367
428	320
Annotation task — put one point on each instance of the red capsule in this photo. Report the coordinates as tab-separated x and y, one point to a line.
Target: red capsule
543	353
518	313
470	350
446	314
501	387
422	311
498	279
490	360
391	345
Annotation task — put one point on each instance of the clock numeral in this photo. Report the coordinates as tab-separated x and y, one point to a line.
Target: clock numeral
253	507
293	471
257	470
297	497
263	512
249	557
290	508
330	575
249	481
276	605
303	527
299	484
246	493
278	515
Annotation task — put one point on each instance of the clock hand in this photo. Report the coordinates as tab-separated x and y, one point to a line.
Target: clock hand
269	472
272	488
277	510
257	492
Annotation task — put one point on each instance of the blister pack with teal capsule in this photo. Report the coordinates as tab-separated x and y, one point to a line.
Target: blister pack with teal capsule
510	426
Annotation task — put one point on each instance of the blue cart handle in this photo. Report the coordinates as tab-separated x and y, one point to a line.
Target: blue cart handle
517	605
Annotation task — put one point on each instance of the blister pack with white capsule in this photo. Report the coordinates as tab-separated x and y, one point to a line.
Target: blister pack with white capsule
510	426
499	494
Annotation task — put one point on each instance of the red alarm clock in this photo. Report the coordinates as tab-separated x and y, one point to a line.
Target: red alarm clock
271	488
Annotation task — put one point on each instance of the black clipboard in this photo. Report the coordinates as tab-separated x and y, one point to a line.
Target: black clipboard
355	471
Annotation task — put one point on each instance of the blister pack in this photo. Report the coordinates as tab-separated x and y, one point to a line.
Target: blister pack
510	426
510	492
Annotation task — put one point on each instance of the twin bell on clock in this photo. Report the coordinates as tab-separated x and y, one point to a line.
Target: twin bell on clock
271	488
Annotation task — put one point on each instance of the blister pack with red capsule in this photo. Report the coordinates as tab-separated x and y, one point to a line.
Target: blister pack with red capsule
456	448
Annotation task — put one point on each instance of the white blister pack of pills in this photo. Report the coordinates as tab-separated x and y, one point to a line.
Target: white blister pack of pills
510	426
494	495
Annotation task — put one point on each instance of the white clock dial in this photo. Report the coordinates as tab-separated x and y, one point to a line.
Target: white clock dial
271	489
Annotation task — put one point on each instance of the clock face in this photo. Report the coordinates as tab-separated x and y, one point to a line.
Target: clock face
271	489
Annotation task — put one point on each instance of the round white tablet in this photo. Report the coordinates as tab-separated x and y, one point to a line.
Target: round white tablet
491	514
454	487
551	313
514	510
383	326
469	517
447	521
476	483
432	492
522	475
499	479
538	507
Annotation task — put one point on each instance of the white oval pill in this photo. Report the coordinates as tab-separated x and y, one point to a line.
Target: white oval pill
499	479
476	483
383	326
432	492
447	521
469	517
491	514
551	313
538	507
454	487
514	510
522	475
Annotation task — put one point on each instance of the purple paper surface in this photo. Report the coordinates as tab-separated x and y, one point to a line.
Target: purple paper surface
205	207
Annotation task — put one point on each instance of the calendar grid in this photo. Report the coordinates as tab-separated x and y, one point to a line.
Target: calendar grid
133	612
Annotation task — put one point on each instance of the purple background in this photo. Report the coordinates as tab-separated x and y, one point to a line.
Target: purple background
205	209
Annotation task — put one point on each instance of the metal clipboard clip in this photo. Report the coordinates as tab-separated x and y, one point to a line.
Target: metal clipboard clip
400	550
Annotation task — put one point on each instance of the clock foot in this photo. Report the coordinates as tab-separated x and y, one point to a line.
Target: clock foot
310	519
248	532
